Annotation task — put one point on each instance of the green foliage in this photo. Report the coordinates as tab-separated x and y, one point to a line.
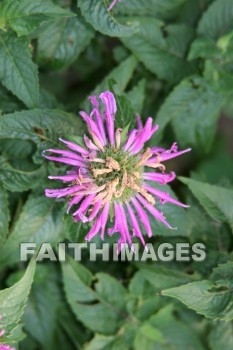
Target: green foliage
168	59
17	71
96	13
12	304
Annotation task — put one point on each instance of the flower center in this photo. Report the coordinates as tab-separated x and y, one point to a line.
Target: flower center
119	171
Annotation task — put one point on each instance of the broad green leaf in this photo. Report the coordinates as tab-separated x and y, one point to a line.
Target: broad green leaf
62	42
212	298
25	16
125	115
4	214
137	96
161	277
39	125
217	20
121	75
202	47
8	102
101	309
221	336
162	48
96	13
38	222
157	8
15	178
193	108
216	200
42	313
17	71
163	331
12	304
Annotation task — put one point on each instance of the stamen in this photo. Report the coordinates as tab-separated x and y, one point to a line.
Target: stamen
112	164
97	172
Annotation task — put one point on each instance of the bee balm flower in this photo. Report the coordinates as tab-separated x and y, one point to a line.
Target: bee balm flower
109	175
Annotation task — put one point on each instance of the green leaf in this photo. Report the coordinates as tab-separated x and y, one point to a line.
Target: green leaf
202	47
217	20
25	16
137	96
43	309
17	71
4	214
39	124
162	48
163	331
212	298
96	13
16	178
216	200
193	107
38	222
221	336
12	304
62	42
121	75
125	115
161	277
156	8
102	309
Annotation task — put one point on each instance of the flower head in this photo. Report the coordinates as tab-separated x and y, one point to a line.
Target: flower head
113	3
4	346
109	174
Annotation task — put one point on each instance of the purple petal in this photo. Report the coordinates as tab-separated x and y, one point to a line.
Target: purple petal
109	101
93	126
73	201
75	147
142	216
131	138
155	212
134	223
64	178
161	178
67	161
165	197
58	193
65	153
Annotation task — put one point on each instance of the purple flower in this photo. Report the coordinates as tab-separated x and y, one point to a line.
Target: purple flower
4	346
110	176
113	3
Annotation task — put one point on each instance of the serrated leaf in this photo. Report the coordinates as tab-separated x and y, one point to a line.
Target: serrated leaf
161	48
24	16
17	179
39	124
13	301
217	20
125	115
212	298
91	305
156	8
137	96
38	222
62	42
202	47
163	331
96	13
161	277
4	214
193	108
221	336
17	71
42	313
216	200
